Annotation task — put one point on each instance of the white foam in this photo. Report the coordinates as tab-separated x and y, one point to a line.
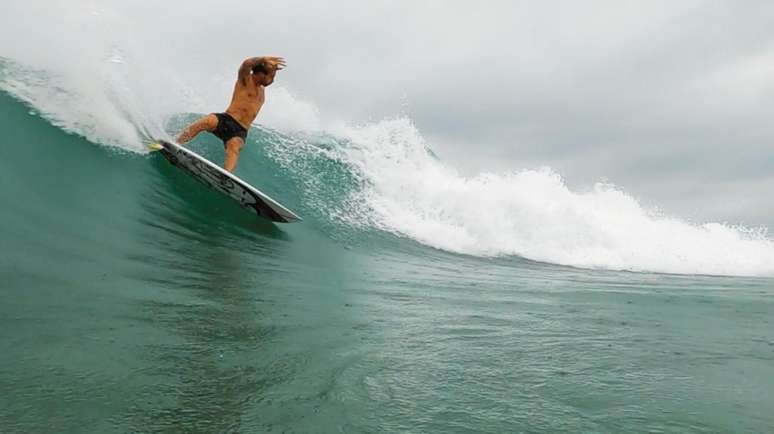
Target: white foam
532	213
112	74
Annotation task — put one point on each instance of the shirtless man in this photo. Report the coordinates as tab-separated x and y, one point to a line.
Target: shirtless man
231	126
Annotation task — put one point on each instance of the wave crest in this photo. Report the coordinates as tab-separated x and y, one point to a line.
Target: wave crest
404	189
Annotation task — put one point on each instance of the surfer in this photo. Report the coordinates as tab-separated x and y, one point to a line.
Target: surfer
231	126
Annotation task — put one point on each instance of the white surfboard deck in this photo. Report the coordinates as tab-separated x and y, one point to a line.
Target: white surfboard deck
225	182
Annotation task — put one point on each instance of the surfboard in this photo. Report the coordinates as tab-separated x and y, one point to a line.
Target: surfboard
224	182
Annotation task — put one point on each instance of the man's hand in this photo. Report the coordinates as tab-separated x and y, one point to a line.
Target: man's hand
274	62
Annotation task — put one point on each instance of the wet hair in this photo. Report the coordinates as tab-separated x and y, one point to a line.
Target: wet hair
261	68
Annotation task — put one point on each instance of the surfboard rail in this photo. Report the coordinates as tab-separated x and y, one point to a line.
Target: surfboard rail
219	179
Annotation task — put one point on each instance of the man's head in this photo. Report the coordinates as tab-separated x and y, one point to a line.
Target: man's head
264	72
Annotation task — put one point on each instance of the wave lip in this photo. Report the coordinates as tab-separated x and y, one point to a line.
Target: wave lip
533	214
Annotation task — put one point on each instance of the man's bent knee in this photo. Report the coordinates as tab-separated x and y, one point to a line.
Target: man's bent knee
234	146
232	153
205	123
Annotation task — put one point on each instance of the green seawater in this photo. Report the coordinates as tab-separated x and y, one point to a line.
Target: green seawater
133	299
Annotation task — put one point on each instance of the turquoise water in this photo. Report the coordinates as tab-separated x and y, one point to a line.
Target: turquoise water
132	299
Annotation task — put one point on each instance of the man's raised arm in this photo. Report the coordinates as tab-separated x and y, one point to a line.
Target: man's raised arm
269	63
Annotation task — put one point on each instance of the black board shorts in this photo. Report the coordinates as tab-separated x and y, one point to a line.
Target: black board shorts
228	128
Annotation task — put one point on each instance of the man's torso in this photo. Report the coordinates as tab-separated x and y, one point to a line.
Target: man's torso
246	102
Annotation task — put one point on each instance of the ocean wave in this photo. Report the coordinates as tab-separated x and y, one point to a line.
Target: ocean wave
404	189
383	175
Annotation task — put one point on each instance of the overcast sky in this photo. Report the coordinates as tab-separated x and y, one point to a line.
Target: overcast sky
672	101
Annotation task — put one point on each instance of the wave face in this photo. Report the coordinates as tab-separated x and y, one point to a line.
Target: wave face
383	176
163	305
